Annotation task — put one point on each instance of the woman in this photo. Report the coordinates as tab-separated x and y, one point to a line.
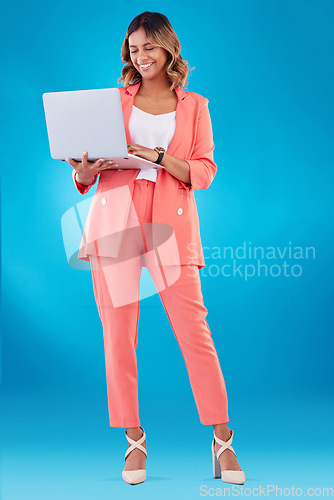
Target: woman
149	216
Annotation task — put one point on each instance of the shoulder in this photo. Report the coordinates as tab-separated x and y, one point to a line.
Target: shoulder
197	104
197	99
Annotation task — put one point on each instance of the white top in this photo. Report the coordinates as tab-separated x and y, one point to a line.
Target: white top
150	131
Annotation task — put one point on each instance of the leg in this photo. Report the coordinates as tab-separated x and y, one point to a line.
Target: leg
116	284
120	336
183	302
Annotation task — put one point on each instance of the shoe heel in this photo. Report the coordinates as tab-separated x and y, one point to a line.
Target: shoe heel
215	464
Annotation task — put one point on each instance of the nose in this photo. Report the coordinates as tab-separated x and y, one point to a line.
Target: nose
139	55
142	61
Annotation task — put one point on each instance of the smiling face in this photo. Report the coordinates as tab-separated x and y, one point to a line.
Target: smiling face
149	60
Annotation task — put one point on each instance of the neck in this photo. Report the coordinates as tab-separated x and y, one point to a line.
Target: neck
154	87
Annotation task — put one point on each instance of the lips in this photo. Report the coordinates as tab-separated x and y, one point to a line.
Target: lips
147	67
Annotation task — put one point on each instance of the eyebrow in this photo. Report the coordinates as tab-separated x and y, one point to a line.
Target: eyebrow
148	43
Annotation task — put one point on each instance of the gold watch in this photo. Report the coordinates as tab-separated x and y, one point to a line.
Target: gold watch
161	152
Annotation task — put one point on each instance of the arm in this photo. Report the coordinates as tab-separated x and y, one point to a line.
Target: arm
202	166
82	188
176	167
197	172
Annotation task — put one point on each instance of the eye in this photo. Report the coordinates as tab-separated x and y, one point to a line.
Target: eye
133	51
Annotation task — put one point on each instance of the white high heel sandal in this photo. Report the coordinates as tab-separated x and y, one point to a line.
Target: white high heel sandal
228	476
139	475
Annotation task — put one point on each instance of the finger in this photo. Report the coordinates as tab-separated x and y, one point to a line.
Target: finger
72	162
99	162
109	162
108	165
84	159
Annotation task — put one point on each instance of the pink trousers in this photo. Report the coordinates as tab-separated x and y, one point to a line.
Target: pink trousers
116	283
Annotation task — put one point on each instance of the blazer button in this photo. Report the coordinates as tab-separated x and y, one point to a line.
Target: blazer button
103	201
180	211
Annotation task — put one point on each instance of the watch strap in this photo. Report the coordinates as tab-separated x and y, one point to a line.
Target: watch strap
161	154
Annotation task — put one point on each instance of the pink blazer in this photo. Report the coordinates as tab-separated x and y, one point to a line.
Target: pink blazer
175	215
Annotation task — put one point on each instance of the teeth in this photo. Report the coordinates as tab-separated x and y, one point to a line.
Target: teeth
145	65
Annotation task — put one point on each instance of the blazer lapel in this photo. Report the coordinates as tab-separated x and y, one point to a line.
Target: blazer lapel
127	102
182	117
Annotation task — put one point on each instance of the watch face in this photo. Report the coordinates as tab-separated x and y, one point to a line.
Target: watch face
160	149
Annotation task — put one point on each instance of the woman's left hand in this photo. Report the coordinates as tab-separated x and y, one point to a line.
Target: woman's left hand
143	152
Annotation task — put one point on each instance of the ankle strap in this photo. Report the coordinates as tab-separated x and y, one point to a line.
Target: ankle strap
135	444
224	444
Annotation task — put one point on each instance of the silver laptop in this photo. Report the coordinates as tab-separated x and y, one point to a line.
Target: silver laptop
92	121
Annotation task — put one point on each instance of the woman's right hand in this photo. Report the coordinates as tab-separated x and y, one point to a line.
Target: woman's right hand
87	170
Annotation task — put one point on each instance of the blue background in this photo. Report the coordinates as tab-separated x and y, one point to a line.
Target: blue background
267	70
